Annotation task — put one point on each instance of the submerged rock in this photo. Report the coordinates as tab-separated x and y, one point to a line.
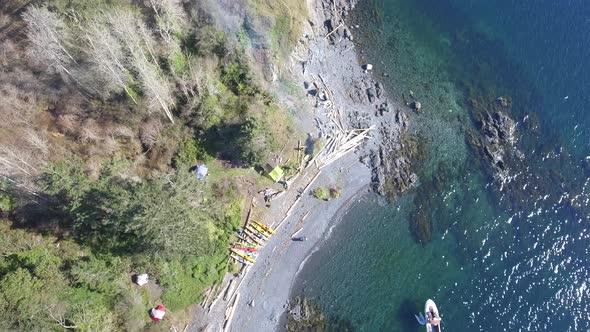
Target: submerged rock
495	143
504	101
304	315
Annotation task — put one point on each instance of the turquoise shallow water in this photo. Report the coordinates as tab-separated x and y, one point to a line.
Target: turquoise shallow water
493	264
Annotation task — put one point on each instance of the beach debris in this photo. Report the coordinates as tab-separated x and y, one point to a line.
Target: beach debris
379	90
329	24
384	107
416	106
347	34
229	290
366	67
371	92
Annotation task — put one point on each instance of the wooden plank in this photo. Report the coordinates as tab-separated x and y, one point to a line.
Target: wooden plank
250	211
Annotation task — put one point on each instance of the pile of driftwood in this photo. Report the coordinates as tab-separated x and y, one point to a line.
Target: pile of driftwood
340	141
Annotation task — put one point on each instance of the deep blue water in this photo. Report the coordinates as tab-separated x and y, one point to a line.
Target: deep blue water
500	259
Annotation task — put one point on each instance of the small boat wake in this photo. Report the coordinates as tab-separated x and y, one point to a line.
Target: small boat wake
421	319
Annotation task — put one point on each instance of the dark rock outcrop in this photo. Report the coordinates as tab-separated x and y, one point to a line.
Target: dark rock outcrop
495	143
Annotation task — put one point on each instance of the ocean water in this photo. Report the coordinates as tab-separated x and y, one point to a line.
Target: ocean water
515	259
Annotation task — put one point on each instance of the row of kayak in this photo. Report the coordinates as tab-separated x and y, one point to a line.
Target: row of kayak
250	239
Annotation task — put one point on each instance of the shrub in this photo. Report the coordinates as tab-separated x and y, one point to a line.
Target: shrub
177	60
185	280
321	193
189	153
6	202
236	76
253	142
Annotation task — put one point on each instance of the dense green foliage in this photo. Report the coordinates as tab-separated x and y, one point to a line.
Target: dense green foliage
174	227
162	215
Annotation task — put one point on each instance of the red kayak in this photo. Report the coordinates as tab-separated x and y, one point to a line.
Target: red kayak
247	249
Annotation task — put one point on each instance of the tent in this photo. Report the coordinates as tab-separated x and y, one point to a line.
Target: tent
274	172
142	279
157	313
201	171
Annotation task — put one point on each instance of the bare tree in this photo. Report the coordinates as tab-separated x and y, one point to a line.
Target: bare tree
156	87
169	17
48	35
107	57
140	45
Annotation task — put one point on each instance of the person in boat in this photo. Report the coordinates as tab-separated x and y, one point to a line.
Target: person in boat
432	317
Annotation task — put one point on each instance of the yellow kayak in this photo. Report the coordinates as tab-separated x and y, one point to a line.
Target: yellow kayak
261	230
266	228
256	233
243	255
254	237
240	259
247	241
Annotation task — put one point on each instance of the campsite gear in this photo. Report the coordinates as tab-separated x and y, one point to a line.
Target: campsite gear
142	279
256	233
157	313
240	259
260	230
201	171
273	171
245	252
246	249
268	196
254	237
432	320
266	228
243	255
245	242
242	235
301	238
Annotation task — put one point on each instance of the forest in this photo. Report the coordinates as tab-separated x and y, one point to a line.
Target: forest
106	107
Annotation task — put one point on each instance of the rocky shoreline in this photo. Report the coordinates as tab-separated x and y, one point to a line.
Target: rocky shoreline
390	153
325	64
